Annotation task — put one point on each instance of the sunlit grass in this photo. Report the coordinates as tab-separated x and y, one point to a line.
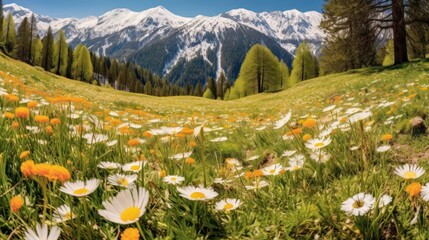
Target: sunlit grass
210	169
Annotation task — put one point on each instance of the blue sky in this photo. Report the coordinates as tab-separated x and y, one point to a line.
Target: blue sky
187	8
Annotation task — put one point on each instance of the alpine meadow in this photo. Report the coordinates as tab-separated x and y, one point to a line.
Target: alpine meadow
257	122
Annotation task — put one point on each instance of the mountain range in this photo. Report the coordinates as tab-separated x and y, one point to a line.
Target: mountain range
185	50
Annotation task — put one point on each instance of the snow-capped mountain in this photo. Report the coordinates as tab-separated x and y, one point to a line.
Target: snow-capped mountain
169	44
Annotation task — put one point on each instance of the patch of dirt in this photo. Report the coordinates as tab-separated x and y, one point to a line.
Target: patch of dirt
407	154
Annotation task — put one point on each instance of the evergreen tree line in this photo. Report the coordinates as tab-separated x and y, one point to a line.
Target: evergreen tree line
262	71
53	54
357	31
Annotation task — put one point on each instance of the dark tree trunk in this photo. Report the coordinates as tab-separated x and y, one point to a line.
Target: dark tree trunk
399	32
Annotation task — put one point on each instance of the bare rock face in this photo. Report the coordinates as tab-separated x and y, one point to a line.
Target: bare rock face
418	126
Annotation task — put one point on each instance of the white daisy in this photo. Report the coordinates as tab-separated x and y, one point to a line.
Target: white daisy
288	153
318	143
109	165
133	166
126	207
122	180
171	130
384	200
197	193
425	192
274	169
360	116
409	171
257	185
95	138
219	139
320	156
227	204
383	148
180	156
80	188
280	123
359	204
330	108
63	213
252	158
174	180
42	233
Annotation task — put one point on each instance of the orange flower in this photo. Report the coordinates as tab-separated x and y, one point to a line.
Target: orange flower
147	134
16	203
162	173
309	123
12	98
15	124
55	121
190	160
49	130
9	115
41	119
413	189
306	137
22	112
248	175
193	144
387	137
133	142
130	234
32	104
24	154
258	173
27	168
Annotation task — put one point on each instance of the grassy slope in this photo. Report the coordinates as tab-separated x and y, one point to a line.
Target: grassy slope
296	206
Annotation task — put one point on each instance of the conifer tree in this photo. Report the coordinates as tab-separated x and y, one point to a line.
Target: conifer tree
1	20
23	41
9	35
48	51
208	94
220	86
284	74
33	36
36	52
303	66
82	65
198	90
60	54
148	88
260	71
69	73
212	86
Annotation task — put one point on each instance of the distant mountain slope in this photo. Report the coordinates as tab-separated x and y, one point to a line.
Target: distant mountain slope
174	46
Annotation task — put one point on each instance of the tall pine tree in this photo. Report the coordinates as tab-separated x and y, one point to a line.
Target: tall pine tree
60	54
23	40
33	35
303	66
36	52
82	65
9	36
220	86
48	51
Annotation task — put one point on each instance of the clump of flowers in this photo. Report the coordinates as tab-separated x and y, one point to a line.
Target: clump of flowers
51	172
16	203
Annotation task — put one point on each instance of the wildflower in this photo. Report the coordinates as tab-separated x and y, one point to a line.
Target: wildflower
257	185
413	189
383	148
42	233
162	173
22	112
387	137
147	134
359	204
133	142
41	119
248	175
384	200
24	154
197	193
130	234
306	137
330	108
258	173
95	138
192	144
32	104
16	203
80	188
321	156
122	180
285	119
9	115
318	143
49	130
273	169
309	123
175	180
190	161
134	166
360	116
63	213
126	207
219	139
288	153
15	125
55	121
408	171
180	156
27	168
228	204
425	192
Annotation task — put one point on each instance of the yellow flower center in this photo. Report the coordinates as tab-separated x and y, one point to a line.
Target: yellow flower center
173	179
410	175
358	204
272	171
295	168
228	206
81	191
135	167
130	214
197	195
319	144
123	181
67	216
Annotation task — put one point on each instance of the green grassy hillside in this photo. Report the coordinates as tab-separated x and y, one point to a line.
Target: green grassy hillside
250	170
